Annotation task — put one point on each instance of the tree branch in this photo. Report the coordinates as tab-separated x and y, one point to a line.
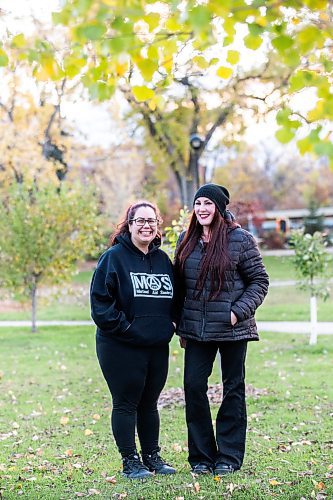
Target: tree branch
220	120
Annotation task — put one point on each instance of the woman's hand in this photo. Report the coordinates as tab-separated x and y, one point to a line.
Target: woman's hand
233	318
182	342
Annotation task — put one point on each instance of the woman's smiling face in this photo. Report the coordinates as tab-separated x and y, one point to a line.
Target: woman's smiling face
143	235
204	210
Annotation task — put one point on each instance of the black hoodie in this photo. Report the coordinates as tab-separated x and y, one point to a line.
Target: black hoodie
131	294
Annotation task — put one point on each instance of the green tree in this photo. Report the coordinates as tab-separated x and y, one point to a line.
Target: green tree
145	42
214	117
148	45
44	232
314	222
312	264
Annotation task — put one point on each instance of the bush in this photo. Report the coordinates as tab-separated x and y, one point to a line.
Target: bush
177	227
273	240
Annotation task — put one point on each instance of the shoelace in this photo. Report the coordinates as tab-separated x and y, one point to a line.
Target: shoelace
134	462
156	459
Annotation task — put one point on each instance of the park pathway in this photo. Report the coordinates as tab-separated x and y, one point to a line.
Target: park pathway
324	328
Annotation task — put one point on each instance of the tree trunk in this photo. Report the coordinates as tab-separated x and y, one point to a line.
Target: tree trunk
313	317
33	307
191	188
187	186
188	183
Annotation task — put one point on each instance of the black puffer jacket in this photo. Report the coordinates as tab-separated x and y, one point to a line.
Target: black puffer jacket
244	289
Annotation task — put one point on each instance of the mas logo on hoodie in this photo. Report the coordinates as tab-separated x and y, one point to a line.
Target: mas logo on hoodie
152	285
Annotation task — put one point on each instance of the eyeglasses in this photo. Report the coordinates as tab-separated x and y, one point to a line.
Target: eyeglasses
140	221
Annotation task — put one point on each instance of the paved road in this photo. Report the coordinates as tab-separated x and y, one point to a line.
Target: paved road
324	328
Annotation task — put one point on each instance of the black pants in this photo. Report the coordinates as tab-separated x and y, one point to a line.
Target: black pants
229	445
135	376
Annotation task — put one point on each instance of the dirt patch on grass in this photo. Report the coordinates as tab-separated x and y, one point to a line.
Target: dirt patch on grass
175	396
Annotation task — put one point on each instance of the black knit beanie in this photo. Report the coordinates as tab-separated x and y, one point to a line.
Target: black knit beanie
218	194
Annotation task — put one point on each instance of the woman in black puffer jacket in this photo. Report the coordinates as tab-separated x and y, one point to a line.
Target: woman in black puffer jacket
223	280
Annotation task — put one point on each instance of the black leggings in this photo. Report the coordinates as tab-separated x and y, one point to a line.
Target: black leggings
135	376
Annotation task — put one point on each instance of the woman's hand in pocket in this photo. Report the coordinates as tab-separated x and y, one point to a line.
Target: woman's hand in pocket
182	342
233	318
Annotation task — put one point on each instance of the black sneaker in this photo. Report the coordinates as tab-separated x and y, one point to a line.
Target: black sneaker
155	463
201	468
133	468
222	469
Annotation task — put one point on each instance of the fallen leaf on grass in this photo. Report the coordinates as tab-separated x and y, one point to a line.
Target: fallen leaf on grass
301	443
64	420
93	491
230	487
284	448
27	468
111	479
318	496
79	494
197	487
88	432
69	452
96	416
176	447
273	482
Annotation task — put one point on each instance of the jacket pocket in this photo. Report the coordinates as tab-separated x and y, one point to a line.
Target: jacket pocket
149	330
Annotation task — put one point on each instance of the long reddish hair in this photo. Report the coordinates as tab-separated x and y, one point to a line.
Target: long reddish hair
216	259
123	226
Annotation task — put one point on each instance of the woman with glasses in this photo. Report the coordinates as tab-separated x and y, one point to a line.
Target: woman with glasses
224	281
132	305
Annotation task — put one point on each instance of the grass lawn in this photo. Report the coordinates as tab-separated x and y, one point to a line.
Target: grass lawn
51	311
288	303
280	268
284	303
55	412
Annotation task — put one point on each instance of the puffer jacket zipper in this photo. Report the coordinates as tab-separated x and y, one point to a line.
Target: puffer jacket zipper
204	304
204	312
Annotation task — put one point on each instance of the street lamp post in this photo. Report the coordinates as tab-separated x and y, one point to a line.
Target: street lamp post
196	143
